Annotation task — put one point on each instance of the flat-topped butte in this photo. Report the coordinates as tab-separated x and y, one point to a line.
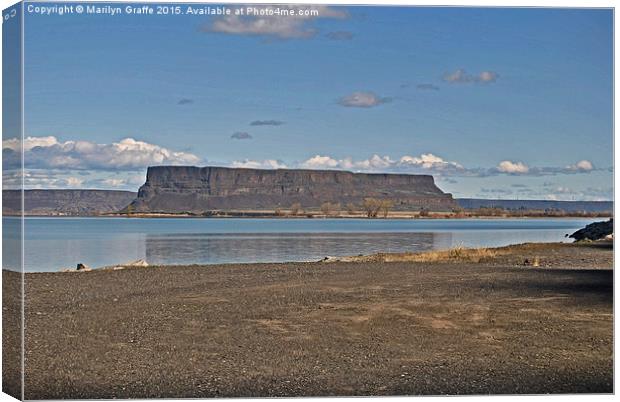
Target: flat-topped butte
175	189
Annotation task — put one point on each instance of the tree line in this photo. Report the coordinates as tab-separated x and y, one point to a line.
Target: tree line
371	207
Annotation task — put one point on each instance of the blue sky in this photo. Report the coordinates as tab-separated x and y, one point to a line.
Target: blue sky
496	103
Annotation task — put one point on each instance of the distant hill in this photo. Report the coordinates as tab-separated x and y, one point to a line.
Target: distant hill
200	190
567	206
65	202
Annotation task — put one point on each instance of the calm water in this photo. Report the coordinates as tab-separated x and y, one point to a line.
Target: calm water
55	243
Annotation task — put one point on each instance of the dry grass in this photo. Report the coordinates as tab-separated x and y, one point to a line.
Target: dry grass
527	254
455	254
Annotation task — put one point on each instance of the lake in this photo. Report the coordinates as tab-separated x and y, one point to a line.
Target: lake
55	243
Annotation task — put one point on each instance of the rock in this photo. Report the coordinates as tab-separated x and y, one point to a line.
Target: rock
79	268
83	267
136	263
594	231
179	189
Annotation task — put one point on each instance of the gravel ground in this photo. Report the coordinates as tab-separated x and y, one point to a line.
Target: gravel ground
305	329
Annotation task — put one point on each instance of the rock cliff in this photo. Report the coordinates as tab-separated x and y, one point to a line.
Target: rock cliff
175	189
65	202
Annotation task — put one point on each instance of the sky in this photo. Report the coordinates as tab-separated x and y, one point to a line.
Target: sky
493	102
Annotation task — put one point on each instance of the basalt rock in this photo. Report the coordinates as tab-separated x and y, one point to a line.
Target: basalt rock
594	231
178	189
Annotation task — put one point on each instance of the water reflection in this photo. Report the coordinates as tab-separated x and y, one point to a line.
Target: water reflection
222	248
55	243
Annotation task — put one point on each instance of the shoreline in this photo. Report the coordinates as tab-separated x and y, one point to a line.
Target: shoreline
449	326
446	217
512	254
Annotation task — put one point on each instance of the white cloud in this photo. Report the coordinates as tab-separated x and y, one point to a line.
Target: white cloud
581	166
431	162
587	194
69	179
375	162
39	180
363	99
265	164
127	154
114	182
29	143
320	162
513	167
487	76
425	163
74	182
266	22
461	76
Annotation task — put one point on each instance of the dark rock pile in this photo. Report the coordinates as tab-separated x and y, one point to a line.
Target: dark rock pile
594	231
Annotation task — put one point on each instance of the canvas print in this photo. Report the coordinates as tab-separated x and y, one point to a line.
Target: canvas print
266	200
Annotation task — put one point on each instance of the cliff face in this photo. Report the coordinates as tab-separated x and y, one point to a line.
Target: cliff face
65	202
194	189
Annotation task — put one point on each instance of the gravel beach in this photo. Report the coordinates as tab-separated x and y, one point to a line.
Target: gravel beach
498	326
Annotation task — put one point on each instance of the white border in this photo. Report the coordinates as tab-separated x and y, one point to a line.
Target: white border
476	3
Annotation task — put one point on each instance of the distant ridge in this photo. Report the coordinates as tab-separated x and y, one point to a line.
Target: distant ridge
567	206
54	202
65	202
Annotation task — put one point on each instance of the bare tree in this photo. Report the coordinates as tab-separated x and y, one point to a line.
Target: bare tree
326	208
351	208
385	206
295	208
371	206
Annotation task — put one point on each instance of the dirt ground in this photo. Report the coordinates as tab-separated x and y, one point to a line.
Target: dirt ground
360	328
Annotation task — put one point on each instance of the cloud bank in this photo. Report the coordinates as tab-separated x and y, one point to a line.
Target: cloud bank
127	154
264	164
520	168
425	163
268	21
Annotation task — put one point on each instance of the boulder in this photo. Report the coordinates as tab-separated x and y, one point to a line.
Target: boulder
594	231
83	267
